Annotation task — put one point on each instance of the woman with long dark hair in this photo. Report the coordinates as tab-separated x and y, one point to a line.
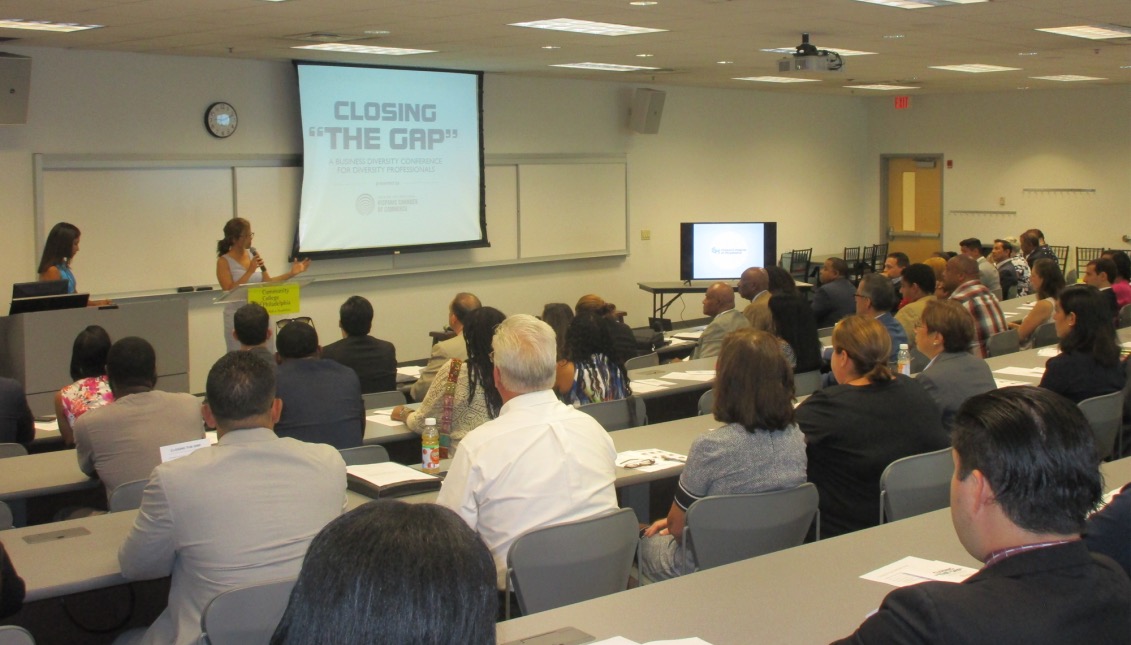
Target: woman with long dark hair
90	389
558	315
1047	281
58	251
590	373
463	395
796	326
1088	364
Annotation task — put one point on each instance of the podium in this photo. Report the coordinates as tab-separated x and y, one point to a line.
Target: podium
36	347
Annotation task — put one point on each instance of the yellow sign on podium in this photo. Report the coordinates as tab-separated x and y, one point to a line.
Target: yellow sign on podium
276	299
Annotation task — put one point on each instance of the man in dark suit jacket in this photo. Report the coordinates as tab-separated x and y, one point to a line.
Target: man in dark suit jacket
321	399
1025	477
16	423
836	297
374	360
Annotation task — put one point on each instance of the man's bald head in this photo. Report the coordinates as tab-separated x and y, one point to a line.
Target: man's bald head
720	298
959	269
753	281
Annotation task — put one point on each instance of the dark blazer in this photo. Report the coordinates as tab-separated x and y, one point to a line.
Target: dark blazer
954	377
1058	594
1078	376
321	403
374	361
1109	531
834	301
16	422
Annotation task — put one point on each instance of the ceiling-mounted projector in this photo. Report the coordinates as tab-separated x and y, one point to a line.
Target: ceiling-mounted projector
808	58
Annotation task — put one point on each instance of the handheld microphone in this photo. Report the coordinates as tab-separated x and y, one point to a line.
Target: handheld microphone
262	267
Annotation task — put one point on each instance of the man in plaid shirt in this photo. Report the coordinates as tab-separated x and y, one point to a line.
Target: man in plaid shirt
961	276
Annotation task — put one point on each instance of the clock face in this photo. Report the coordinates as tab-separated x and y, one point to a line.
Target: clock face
221	120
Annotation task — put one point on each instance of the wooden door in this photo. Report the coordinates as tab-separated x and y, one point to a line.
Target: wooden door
913	204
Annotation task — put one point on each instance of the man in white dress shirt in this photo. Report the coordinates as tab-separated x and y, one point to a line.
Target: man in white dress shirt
540	462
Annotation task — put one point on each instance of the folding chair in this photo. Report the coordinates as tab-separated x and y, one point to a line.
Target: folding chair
1004	342
368	454
915	485
618	414
1105	415
246	615
389	399
127	496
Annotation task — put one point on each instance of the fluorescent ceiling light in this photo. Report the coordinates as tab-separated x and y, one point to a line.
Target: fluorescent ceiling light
44	25
976	68
842	52
586	27
604	67
778	79
920	4
1091	32
881	86
365	49
1069	77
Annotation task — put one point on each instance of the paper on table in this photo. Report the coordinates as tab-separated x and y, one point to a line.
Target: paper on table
411	371
661	459
1048	351
692	375
383	418
912	570
689	335
1004	382
621	640
1021	371
47	426
184	449
678	341
387	473
644	386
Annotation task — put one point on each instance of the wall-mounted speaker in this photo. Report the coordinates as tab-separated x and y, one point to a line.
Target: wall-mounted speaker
647	107
15	83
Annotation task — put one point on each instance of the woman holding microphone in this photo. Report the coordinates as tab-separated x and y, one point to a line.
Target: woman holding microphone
238	264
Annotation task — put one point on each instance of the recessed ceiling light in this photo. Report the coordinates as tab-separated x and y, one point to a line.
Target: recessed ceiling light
778	79
644	55
367	32
586	27
881	86
1091	32
605	67
725	62
842	52
365	49
45	25
643	3
550	47
920	4
975	68
1026	53
1069	77
893	36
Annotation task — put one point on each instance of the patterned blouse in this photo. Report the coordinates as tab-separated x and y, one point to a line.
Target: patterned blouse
596	380
86	394
464	415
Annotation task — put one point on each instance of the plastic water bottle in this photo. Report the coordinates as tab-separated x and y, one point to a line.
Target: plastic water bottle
430	447
903	360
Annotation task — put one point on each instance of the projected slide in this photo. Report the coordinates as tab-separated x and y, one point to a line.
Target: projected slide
392	160
726	250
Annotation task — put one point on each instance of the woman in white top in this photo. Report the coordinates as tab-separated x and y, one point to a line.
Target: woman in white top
1046	281
238	264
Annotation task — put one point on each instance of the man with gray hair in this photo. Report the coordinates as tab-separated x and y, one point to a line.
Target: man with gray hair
540	462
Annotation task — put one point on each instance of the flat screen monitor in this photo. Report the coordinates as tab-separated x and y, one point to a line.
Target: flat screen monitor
39	288
723	250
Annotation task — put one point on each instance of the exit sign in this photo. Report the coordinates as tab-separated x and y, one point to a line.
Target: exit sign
902	102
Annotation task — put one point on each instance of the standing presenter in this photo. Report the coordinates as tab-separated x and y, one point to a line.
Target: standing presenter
60	248
238	264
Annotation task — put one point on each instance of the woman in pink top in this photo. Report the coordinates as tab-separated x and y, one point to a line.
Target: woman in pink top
90	389
1120	282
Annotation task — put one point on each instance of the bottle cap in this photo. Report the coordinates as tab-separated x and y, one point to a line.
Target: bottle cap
430	421
903	345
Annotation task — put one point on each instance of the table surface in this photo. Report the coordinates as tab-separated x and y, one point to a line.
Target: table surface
808	594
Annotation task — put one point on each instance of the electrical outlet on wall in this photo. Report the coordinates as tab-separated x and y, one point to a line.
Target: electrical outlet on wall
645	234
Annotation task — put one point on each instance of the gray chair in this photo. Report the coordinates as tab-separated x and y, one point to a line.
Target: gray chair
915	485
1004	342
5	517
15	635
727	528
1105	415
388	399
17	507
707	402
127	496
806	382
246	615
12	450
824	332
618	414
641	362
1124	317
371	454
566	563
1045	335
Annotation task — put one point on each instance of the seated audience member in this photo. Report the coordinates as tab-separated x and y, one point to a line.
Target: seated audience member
918	290
251	327
1025	477
718	304
11	586
540	462
1109	530
943	335
961	278
780	281
121	442
1033	247
445	350
938	265
1047	282
759	450
624	341
1120	281
855	429
321	399
558	316
894	264
1019	263
1100	274
754	285
377	594
794	325
590	372
17	425
1088	364
463	397
373	360
987	272
1012	271
240	512
874	296
834	299
90	388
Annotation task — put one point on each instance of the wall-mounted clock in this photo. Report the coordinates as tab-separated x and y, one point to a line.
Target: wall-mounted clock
221	120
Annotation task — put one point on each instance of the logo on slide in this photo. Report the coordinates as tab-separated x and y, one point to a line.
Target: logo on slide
739	250
365	204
